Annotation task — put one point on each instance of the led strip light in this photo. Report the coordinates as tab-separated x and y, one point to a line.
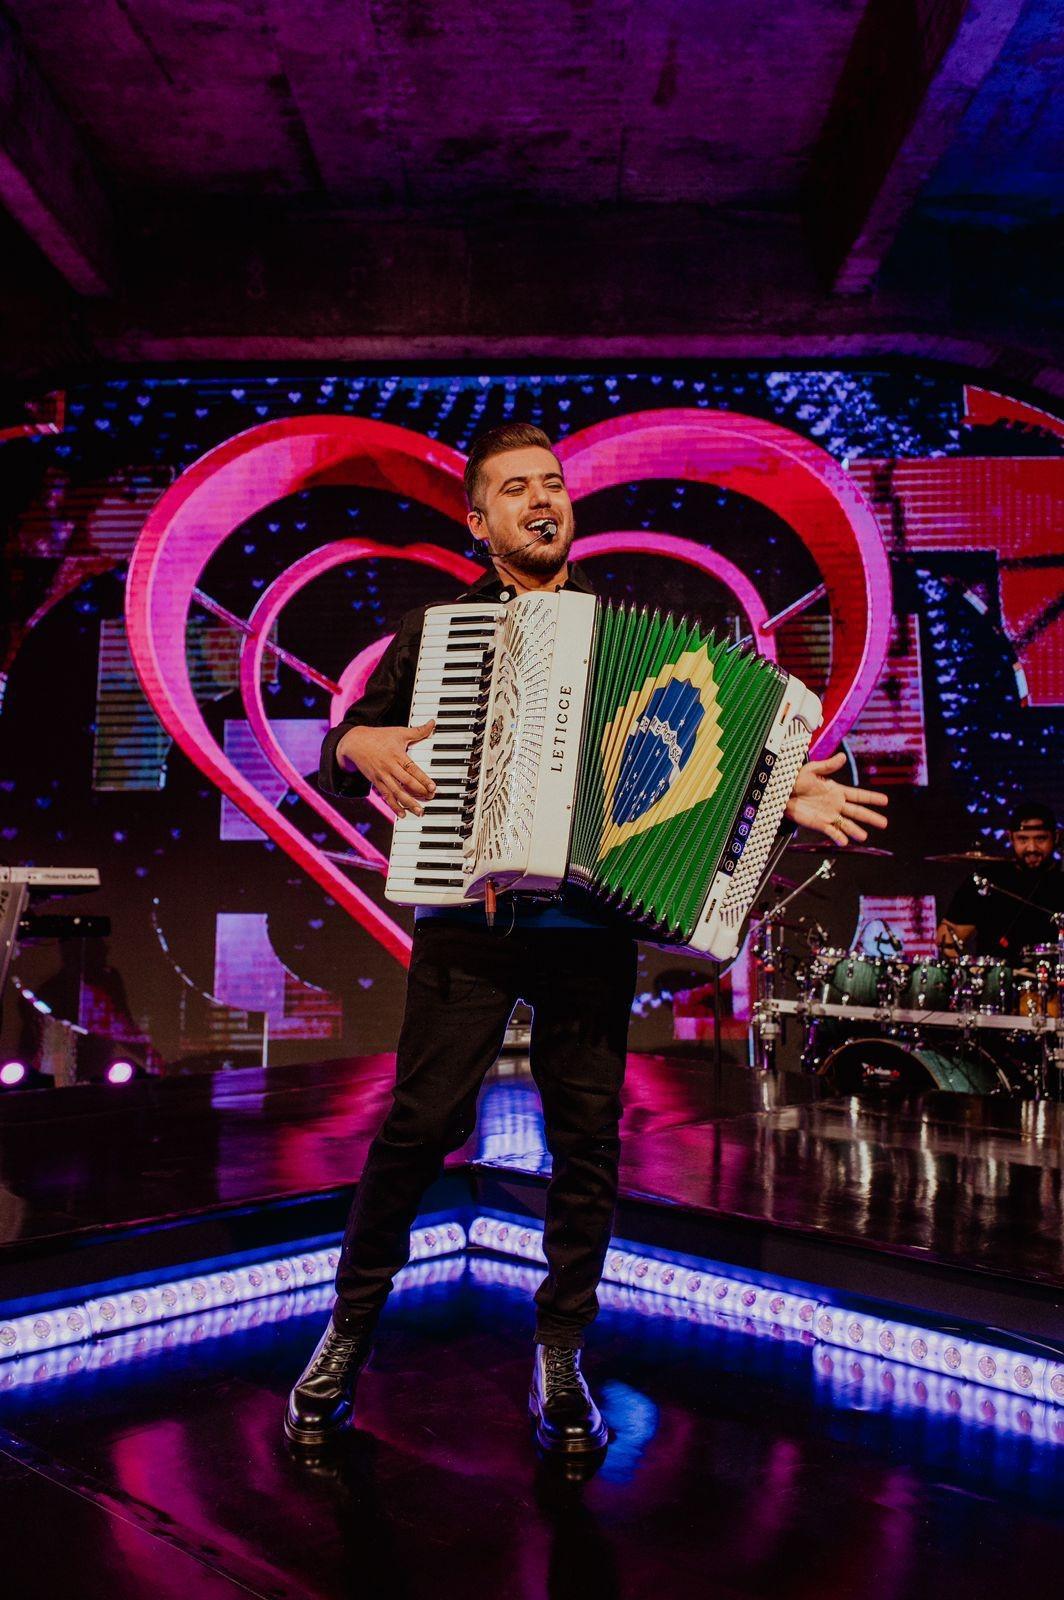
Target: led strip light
135	1344
703	1290
144	1305
848	1380
948	1354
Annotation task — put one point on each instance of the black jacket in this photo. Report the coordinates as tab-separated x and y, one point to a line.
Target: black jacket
389	692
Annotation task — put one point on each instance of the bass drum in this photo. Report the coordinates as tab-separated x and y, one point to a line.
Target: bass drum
891	1063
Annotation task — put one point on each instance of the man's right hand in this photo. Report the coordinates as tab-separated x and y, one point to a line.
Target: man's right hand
380	754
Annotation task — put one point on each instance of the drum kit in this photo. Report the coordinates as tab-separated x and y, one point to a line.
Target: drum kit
885	1016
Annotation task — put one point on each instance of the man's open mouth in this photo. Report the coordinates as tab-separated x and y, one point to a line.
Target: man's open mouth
546	527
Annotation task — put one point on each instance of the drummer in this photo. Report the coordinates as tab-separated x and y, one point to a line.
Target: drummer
994	924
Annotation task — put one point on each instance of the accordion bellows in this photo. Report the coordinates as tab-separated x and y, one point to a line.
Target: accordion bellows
627	751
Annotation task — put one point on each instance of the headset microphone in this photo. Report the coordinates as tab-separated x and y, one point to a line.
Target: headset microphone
544	536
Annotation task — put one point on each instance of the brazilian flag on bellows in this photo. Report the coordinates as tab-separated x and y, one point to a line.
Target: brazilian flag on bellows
676	719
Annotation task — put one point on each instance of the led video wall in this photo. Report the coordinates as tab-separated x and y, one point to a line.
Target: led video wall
201	571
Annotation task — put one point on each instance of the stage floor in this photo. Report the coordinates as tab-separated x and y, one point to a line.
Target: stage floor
891	1197
744	1460
738	1467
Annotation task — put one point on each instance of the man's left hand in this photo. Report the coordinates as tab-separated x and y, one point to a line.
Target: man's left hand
836	810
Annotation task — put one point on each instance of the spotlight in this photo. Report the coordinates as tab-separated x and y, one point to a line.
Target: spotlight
121	1072
12	1073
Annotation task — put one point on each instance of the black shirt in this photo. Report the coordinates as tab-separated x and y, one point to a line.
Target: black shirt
1002	927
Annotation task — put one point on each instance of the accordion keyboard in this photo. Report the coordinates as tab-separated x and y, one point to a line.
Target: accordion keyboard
506	685
429	857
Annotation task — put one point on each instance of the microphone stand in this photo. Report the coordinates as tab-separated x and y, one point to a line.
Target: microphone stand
766	1017
985	887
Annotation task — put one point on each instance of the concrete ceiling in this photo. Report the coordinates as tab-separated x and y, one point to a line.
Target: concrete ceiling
418	107
258	178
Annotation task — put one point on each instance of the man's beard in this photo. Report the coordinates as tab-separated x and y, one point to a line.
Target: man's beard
542	559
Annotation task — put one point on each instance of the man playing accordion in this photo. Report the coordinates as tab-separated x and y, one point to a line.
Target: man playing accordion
575	969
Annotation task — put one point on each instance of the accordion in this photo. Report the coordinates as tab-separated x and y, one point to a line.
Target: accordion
629	752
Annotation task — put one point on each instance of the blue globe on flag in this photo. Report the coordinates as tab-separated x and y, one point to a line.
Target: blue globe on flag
657	750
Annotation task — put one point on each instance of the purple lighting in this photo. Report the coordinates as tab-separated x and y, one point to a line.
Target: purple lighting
120	1072
11	1073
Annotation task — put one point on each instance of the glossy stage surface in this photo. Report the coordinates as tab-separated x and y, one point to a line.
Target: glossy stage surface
739	1466
956	1181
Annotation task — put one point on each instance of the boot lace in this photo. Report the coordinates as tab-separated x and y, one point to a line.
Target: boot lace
561	1369
339	1353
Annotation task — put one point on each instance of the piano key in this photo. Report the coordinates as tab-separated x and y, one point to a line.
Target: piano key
429	860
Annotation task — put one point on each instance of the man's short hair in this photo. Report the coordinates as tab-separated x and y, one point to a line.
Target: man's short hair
495	442
1032	813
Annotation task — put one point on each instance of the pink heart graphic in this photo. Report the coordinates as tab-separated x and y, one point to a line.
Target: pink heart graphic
191	521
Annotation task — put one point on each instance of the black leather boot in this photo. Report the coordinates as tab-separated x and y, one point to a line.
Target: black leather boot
567	1419
324	1394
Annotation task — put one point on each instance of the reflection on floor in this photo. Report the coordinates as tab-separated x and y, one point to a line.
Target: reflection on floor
957	1179
738	1465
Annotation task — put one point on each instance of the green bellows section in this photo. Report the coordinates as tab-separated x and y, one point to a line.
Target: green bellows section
660	876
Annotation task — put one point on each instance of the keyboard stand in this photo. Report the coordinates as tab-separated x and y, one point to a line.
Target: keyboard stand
13	898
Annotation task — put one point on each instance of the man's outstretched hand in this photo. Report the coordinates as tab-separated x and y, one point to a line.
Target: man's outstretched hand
836	810
381	755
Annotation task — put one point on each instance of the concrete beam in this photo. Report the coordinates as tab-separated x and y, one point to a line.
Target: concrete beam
910	75
224	284
47	181
220	270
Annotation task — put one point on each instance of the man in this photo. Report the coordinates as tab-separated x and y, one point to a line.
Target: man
994	923
574	968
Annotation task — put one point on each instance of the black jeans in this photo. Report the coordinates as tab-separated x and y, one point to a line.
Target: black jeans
463	984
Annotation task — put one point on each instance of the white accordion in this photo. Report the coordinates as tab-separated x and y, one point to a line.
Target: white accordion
581	742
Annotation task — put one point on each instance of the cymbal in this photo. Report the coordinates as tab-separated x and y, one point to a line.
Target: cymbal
828	847
967	855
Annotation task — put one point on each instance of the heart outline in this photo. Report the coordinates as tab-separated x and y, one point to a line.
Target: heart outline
273	460
194	517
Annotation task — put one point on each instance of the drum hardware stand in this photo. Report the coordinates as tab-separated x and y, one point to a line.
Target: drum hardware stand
1049	1037
766	1024
806	1009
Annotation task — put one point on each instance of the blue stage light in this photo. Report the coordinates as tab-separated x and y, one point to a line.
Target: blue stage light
106	1314
136	1344
707	1284
935	1369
